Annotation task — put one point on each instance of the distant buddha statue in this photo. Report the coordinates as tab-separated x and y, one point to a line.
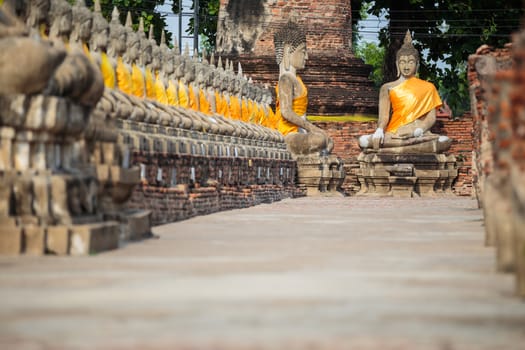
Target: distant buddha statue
61	18
407	111
301	136
36	16
82	26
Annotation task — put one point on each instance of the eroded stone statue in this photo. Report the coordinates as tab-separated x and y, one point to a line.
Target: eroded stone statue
309	145
407	111
301	136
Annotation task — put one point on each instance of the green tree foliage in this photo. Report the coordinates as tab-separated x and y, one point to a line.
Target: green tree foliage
138	8
446	32
373	55
208	15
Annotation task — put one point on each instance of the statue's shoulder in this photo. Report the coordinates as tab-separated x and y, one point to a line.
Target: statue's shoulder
288	78
386	87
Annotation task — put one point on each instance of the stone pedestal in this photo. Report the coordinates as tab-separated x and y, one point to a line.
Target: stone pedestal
405	175
322	175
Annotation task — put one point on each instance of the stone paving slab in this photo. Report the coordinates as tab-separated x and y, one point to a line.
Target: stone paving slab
309	273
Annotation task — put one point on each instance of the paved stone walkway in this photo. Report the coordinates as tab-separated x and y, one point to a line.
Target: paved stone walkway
310	273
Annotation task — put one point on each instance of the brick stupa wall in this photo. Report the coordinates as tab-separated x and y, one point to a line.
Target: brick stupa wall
337	81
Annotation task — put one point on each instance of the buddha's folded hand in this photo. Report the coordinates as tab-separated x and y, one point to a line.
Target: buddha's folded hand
379	134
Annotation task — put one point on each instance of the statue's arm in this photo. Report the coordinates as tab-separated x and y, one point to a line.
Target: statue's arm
286	90
428	121
419	126
384	107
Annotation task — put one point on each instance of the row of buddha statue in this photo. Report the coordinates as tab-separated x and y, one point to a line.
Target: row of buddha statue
151	83
80	96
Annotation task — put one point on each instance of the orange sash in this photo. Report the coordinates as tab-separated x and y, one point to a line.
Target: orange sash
193	101
138	86
171	93
184	101
160	91
235	108
108	73
123	77
299	105
204	104
150	84
411	100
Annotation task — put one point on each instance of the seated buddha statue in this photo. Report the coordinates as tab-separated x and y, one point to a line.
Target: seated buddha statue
301	136
407	111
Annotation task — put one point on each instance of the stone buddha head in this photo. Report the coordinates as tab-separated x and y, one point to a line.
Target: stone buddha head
189	71
407	58
99	33
37	13
82	23
290	47
118	35
133	46
267	96
61	18
167	61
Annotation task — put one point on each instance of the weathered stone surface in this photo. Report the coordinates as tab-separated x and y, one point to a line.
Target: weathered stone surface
34	240
94	238
138	224
321	175
11	240
405	175
58	239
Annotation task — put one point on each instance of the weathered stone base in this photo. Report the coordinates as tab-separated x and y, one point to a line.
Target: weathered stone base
406	175
322	175
60	239
135	225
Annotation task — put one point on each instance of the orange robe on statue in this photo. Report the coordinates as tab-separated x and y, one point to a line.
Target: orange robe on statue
299	105
160	90
171	92
194	104
108	73
138	84
123	77
204	104
151	92
235	108
411	100
184	100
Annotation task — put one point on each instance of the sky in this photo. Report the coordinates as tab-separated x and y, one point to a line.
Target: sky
172	21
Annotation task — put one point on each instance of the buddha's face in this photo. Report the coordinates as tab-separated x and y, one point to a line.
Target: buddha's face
65	23
156	62
101	37
39	9
85	29
299	56
190	74
167	63
122	38
147	52
407	66
216	80
133	49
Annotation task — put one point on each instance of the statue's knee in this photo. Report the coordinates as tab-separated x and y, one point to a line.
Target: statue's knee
364	141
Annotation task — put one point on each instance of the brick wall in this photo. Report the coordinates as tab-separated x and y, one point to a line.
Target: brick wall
328	24
179	186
